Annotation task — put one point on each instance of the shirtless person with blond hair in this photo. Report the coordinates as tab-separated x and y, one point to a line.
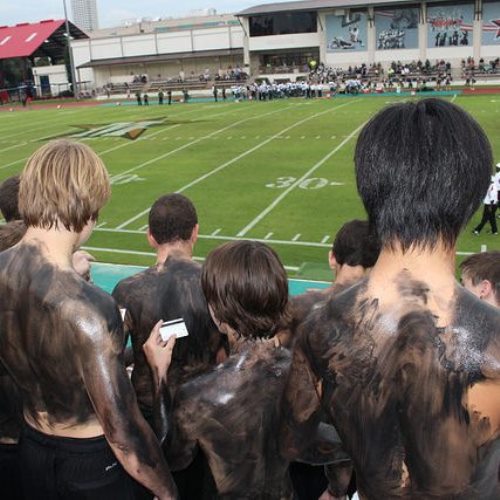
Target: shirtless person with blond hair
61	341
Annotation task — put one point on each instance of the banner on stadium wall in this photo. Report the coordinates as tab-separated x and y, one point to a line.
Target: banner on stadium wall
450	25
346	33
491	23
396	28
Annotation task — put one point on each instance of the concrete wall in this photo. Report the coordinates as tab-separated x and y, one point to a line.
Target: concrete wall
58	77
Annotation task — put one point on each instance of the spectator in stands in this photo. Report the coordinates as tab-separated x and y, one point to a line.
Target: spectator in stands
354	252
170	290
481	276
9	194
406	361
72	380
232	413
161	95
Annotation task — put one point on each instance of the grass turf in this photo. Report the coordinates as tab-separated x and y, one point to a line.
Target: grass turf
280	171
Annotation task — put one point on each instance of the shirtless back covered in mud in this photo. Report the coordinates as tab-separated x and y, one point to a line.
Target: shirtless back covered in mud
238	431
407	362
61	340
46	312
171	292
233	412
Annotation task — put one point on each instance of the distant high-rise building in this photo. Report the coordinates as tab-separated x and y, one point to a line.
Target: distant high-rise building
85	14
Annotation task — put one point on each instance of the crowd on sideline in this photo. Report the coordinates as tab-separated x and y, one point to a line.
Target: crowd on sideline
383	385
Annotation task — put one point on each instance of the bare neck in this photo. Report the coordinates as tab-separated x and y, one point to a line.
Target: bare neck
348	274
432	267
56	245
179	249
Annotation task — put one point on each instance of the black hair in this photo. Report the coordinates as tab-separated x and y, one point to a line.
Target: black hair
422	170
9	198
172	218
356	245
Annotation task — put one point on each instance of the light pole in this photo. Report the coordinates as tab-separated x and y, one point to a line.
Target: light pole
70	51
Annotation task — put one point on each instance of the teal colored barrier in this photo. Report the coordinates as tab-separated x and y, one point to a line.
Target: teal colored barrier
106	276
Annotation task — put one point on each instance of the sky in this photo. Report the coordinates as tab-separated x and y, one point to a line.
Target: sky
113	12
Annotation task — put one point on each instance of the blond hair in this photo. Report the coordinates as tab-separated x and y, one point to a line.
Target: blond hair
63	182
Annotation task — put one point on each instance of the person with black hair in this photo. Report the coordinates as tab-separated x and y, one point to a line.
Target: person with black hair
169	290
233	412
406	363
354	252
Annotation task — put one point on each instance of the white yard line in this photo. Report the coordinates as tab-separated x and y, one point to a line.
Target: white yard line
296	237
129	143
216	232
13	146
223	238
159	132
285	193
143	228
235	238
325	239
151	254
453	98
268	235
235	159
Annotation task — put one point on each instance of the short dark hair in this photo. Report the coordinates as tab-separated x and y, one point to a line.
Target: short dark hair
422	170
9	198
246	286
483	266
356	245
172	218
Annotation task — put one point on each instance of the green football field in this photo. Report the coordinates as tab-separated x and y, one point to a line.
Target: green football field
279	171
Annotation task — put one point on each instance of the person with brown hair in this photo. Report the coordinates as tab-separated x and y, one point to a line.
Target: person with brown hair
481	276
61	341
232	412
406	362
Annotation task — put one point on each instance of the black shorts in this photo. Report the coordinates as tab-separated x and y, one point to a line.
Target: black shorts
61	468
10	482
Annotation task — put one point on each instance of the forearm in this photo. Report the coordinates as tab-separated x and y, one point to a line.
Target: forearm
144	462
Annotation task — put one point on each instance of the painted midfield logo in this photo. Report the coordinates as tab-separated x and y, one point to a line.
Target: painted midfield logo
127	130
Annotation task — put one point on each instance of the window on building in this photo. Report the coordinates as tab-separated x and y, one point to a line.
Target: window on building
283	24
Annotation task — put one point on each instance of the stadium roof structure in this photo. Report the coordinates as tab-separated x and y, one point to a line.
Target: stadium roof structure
308	5
155	58
44	39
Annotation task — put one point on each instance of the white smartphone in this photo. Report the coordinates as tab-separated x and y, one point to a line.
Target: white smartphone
175	327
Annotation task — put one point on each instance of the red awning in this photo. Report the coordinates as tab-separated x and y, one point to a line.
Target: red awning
24	39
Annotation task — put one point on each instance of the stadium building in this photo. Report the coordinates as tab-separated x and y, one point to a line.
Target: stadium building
279	41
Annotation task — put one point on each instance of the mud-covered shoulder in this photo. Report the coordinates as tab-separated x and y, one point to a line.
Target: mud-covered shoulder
476	328
329	328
